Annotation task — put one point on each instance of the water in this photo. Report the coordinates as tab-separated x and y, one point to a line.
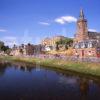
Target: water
19	82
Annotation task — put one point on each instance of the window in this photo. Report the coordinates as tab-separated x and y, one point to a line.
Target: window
83	45
90	45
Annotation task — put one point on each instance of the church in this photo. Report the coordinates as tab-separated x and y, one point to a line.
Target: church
86	43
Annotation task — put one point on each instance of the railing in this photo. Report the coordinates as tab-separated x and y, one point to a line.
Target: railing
66	58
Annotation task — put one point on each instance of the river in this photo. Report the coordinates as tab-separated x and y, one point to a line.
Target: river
24	82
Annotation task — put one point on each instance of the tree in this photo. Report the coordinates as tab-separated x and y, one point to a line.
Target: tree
14	46
3	47
57	44
8	51
67	42
22	45
21	51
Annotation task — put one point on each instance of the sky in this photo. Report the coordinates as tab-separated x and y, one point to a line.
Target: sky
24	21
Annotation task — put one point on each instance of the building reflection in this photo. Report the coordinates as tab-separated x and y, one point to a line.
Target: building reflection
84	88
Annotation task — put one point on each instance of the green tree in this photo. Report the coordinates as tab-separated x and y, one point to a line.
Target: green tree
3	47
57	44
8	51
67	42
21	51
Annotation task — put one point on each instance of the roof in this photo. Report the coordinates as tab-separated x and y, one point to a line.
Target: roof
87	44
94	35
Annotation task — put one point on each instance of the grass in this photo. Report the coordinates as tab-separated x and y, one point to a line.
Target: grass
81	67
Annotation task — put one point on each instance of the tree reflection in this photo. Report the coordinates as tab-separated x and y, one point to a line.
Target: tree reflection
3	67
25	68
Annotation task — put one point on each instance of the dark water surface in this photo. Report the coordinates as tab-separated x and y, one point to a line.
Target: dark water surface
19	82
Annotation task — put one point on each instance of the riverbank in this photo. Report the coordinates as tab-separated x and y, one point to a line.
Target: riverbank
81	67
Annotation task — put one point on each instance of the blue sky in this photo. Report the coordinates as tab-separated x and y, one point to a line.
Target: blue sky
23	21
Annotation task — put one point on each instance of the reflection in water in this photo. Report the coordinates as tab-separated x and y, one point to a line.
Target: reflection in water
19	81
84	88
38	67
23	67
3	67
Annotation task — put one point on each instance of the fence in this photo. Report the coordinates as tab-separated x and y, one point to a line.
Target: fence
66	58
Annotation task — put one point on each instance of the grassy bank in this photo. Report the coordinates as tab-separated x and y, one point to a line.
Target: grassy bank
81	67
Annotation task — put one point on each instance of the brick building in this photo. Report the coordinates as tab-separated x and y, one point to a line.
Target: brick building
86	43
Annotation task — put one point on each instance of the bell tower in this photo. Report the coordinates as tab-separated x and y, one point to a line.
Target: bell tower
82	29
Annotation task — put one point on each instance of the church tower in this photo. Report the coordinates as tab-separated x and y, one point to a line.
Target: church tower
82	29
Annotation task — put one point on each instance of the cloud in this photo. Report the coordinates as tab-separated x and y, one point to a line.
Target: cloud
44	23
65	19
69	19
59	20
2	30
92	30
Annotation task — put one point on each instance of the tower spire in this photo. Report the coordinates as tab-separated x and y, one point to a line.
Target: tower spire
81	14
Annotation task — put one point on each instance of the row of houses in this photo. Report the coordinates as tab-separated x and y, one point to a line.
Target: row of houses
28	49
47	44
